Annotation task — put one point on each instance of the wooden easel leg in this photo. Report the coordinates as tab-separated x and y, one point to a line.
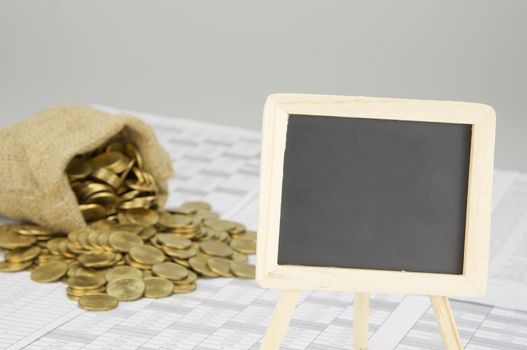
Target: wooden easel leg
281	316
361	309
447	324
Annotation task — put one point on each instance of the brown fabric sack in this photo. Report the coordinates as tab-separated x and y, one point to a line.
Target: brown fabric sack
34	154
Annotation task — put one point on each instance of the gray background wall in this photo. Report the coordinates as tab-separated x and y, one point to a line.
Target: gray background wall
218	60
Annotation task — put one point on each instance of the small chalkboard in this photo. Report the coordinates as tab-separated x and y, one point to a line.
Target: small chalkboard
374	195
375	192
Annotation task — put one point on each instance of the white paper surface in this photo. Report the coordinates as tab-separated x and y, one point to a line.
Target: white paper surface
221	165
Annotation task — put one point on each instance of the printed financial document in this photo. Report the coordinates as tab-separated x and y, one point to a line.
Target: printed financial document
221	165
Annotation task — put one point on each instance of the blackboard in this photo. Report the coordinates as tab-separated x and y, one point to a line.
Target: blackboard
374	194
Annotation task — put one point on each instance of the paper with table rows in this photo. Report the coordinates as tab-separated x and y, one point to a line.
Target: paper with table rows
221	165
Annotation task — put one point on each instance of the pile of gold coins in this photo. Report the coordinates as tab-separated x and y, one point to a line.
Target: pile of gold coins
131	248
110	179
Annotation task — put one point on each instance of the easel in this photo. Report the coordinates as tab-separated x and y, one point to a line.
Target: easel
289	298
293	114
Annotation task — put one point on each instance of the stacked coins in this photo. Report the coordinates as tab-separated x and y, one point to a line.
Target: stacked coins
79	286
131	248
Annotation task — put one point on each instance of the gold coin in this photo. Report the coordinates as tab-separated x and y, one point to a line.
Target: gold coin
129	195
182	211
123	241
97	259
220	225
199	264
243	270
224	236
102	272
22	254
127	170
133	153
202	215
98	302
220	265
184	288
73	236
6	266
82	238
81	292
236	256
143	177
169	270
197	205
191	278
103	241
216	248
133	228
87	189
12	240
44	258
86	282
141	216
32	230
207	234
123	219
182	262
180	253
50	272
148	177
107	176
155	243
126	288
147	255
103	225
77	169
120	271
118	259
141	185
249	234
133	263
115	161
157	287
76	296
238	229
192	235
174	221
139	202
93	239
173	241
147	233
103	198
73	268
69	249
244	245
116	146
42	238
92	212
138	174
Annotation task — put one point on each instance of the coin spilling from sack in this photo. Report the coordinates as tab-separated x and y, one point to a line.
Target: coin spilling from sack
110	179
131	248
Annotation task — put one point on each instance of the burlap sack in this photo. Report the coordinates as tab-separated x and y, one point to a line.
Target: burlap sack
35	152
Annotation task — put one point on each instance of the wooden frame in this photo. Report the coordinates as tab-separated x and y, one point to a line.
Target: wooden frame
473	280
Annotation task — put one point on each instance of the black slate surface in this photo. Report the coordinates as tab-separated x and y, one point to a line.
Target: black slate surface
374	194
